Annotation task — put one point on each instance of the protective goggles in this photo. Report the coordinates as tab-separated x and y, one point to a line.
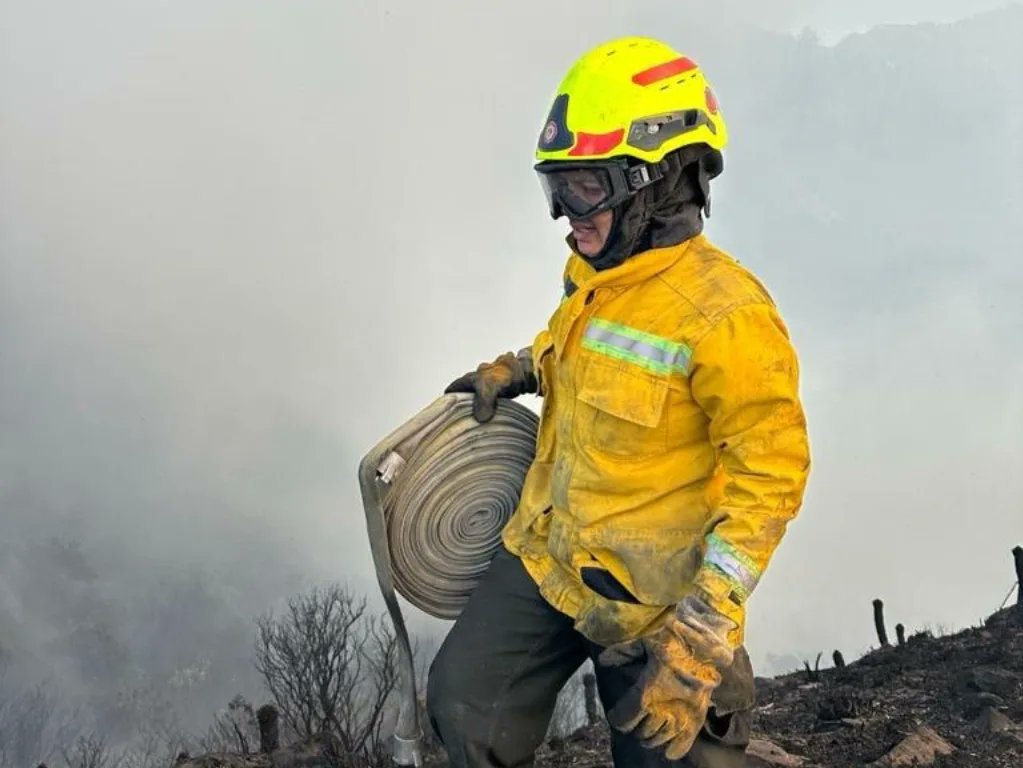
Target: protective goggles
583	189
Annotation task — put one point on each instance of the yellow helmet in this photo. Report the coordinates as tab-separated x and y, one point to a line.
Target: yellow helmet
620	110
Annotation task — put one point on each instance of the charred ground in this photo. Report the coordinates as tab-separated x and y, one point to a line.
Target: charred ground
954	700
961	694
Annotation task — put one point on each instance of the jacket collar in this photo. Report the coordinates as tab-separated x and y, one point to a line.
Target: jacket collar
636	269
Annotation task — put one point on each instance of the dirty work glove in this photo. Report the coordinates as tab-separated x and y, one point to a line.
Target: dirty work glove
682	666
508	376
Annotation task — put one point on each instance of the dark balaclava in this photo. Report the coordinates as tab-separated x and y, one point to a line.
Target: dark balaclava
668	212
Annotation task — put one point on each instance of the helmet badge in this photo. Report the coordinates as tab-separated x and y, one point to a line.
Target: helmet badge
550	132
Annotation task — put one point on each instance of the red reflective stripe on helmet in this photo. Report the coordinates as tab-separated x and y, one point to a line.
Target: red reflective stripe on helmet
587	144
664	71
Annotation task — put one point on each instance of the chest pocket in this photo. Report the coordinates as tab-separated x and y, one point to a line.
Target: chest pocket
621	408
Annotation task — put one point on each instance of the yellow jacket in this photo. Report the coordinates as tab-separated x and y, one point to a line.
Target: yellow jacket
672	449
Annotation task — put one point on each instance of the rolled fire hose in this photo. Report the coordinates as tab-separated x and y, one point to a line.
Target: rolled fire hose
437	492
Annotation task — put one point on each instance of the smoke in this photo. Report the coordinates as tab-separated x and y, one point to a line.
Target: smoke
238	245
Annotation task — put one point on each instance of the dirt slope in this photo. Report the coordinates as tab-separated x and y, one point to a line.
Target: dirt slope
943	701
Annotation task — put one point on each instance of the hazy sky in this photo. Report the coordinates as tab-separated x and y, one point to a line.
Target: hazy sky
834	18
240	242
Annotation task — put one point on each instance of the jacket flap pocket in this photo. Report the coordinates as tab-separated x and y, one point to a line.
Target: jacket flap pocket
627	392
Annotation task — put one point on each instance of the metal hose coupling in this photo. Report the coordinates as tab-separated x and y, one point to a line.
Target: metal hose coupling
437	492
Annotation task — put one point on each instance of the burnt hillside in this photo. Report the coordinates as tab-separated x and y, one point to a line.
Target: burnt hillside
955	700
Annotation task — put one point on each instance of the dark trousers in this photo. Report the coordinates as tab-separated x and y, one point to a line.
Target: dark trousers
494	683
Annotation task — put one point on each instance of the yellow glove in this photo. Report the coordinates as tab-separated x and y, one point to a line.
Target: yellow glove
682	667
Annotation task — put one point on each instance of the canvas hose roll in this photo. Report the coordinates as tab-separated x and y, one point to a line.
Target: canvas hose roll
437	492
